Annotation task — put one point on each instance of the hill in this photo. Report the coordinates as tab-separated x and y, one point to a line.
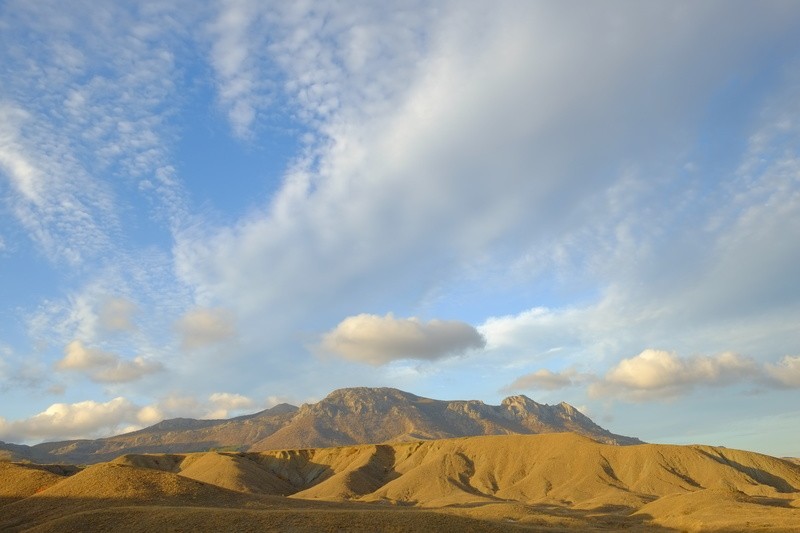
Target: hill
549	482
346	416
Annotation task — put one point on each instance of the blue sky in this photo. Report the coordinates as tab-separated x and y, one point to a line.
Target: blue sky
207	208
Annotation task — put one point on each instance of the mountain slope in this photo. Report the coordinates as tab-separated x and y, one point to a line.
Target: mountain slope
346	416
366	415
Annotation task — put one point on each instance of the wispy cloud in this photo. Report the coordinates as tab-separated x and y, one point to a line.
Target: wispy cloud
64	212
92	104
200	328
238	55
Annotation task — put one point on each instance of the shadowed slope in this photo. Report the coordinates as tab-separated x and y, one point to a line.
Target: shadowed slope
19	481
547	482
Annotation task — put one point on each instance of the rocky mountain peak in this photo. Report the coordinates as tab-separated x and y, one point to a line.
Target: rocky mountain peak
521	405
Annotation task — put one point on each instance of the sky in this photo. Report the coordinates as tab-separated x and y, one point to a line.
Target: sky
209	208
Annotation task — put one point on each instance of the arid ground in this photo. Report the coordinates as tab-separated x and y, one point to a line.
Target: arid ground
550	482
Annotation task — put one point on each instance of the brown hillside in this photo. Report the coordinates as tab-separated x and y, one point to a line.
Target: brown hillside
22	480
551	482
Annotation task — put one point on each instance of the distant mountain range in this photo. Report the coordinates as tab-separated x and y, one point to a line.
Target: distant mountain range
345	417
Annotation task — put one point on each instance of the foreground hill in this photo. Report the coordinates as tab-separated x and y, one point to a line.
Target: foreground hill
346	416
552	482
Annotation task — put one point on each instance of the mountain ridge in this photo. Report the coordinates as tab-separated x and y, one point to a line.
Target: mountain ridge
347	416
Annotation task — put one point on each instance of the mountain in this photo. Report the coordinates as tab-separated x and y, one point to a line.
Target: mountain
346	416
366	415
549	482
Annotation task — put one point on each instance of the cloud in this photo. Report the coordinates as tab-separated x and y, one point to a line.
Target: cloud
64	212
786	372
377	340
204	327
92	419
659	374
76	420
123	371
116	314
225	402
88	104
544	379
237	58
423	145
105	367
79	357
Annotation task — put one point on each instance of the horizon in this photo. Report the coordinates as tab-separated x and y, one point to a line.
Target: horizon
210	208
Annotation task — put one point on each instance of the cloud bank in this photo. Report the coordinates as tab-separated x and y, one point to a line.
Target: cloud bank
91	419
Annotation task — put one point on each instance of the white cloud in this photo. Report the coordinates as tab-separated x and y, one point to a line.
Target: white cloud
439	143
225	402
92	419
63	210
658	373
377	340
236	52
25	177
87	101
149	415
76	420
105	367
203	327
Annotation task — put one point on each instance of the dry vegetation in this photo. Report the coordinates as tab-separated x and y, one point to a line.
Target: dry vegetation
550	482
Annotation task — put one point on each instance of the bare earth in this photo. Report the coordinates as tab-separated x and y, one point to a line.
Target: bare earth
550	482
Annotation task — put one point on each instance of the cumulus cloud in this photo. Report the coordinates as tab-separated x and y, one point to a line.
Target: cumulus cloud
201	328
659	373
544	379
76	420
377	340
105	367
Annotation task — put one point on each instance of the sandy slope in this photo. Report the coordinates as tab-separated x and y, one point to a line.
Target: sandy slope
551	482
